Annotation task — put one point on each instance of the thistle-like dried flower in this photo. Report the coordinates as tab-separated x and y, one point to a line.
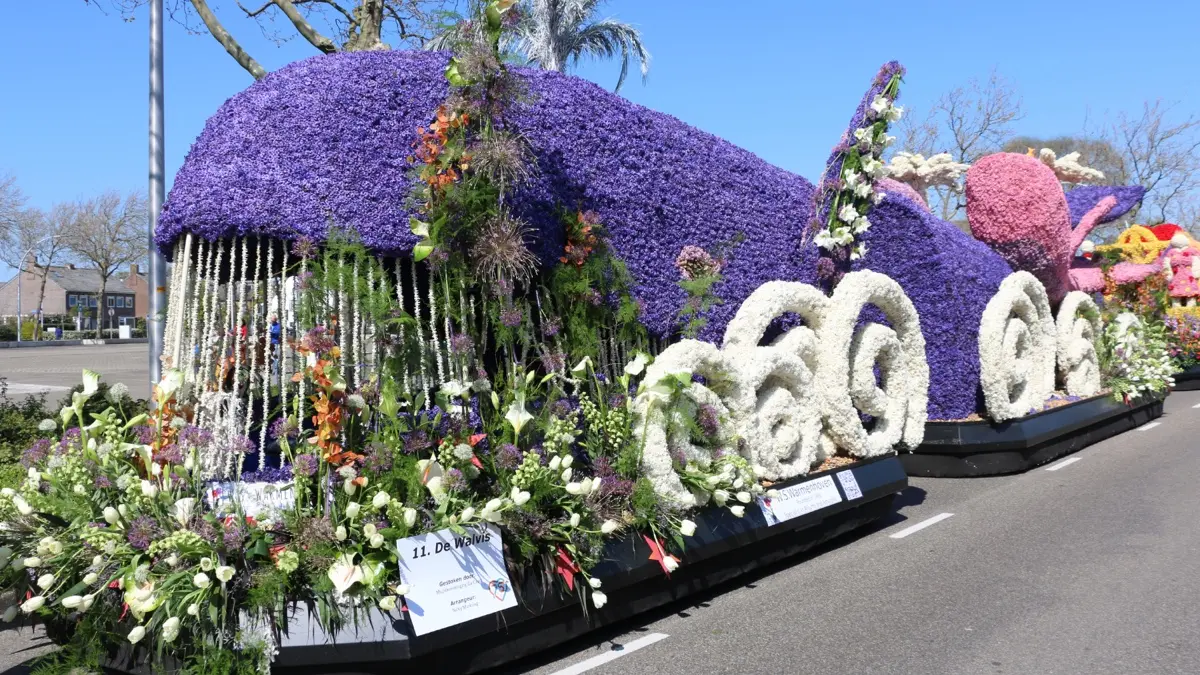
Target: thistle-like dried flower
500	252
305	248
504	157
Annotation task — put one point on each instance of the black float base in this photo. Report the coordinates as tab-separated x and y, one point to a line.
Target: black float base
969	449
1188	380
723	548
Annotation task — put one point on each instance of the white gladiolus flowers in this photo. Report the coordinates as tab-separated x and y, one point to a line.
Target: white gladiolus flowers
1017	348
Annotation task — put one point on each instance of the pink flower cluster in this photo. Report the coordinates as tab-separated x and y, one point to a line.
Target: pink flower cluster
694	262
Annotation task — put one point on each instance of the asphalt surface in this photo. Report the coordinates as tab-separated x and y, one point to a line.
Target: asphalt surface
54	370
1091	568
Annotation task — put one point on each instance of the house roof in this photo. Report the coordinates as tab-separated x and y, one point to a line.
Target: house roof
87	281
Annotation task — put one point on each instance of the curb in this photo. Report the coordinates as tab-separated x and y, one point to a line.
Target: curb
31	344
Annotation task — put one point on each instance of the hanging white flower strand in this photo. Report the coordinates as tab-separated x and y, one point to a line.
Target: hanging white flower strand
433	329
402	347
195	336
251	340
850	192
424	379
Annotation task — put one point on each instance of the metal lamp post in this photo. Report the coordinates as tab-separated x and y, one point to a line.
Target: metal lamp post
158	265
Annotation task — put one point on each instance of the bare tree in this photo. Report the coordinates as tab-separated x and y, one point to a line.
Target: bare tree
968	122
107	232
328	25
35	242
1161	155
12	203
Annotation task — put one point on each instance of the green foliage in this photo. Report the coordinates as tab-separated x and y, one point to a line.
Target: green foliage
19	422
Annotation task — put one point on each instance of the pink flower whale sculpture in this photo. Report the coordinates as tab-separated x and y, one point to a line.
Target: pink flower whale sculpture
1016	205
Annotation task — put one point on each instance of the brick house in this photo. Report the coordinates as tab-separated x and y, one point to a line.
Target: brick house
75	292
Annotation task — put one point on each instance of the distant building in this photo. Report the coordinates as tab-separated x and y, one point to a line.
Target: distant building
75	292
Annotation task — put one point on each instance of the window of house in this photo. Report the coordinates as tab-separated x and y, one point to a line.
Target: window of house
71	300
129	303
109	301
92	301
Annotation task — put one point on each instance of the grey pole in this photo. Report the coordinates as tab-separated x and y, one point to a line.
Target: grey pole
158	265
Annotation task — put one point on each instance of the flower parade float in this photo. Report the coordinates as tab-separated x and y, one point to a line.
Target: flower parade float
463	361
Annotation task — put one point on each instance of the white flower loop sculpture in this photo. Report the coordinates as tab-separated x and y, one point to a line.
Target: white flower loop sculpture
785	423
1017	348
775	408
1078	327
849	355
659	431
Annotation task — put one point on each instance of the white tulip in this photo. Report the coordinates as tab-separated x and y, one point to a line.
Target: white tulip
376	540
670	563
574	488
522	497
555	461
402	589
350	487
193	609
467	514
494	505
772	493
33	561
567	461
10	614
595	485
97	561
170	629
111	515
149	489
23	506
738	510
45	581
387	603
123	510
72	601
687	528
599	598
225	573
610	526
340	533
155	469
7	492
369	529
380	500
410	517
594	582
720	497
743	497
137	634
566	474
201	580
33	604
90	578
172	560
206	564
352	510
574	520
183	510
87	602
585	486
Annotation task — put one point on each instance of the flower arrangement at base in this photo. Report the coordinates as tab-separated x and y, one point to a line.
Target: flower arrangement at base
1135	358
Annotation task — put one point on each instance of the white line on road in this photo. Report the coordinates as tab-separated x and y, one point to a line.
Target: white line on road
616	652
1065	462
23	389
1196	406
921	525
1148	427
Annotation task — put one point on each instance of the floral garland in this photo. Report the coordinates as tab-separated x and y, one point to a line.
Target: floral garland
1078	327
847	190
1017	348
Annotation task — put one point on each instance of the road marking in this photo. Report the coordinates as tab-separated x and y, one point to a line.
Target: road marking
921	525
19	388
1148	427
1196	406
1065	462
617	652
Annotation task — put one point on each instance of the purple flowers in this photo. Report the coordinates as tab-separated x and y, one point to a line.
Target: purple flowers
233	536
551	327
378	458
509	457
284	427
305	465
36	453
453	480
142	531
270	474
694	262
318	340
511	317
709	420
461	343
304	247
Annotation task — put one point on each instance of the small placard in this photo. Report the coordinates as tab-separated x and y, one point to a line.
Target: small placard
850	485
257	500
798	500
454	578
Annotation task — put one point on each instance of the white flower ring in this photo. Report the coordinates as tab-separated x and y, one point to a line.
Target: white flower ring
775	408
1078	328
850	353
1017	348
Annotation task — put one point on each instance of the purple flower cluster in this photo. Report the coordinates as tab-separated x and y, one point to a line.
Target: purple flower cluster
708	419
509	457
1081	200
651	179
36	453
511	316
305	465
461	343
271	474
378	458
318	340
192	436
694	262
142	531
284	427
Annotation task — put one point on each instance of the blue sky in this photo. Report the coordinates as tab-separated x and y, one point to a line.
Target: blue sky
778	77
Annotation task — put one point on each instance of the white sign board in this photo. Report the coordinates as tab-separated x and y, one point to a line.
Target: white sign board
850	485
798	500
454	578
257	500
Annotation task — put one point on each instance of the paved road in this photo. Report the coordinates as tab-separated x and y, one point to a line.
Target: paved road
54	370
1092	568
